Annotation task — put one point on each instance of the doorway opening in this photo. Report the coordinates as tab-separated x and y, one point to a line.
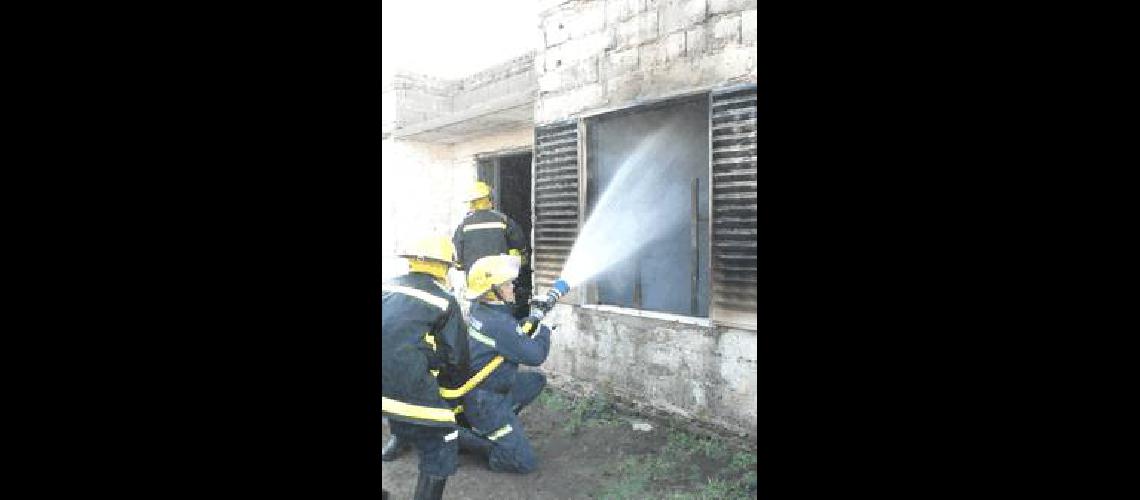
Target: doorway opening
509	175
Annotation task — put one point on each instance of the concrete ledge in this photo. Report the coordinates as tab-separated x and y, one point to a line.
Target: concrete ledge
482	110
689	320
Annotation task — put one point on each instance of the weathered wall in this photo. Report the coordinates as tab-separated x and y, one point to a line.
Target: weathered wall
423	183
601	54
598	54
414	98
688	370
510	77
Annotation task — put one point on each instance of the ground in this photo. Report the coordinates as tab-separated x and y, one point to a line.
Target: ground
589	449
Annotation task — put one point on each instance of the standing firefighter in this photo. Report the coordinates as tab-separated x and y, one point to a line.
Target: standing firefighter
498	345
424	346
485	231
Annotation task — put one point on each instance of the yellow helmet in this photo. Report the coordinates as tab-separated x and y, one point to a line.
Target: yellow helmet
478	190
490	271
432	248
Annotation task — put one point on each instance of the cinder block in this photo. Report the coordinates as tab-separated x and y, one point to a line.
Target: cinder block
681	14
727	6
622	61
550	82
725	30
554	26
620	10
624	88
748	28
589	16
695	40
568	76
591	45
636	31
564	104
669	48
732	63
674	46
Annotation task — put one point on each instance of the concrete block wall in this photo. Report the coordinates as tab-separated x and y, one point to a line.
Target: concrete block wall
413	98
597	54
514	76
601	54
703	373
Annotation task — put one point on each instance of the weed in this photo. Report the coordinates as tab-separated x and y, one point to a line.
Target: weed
634	480
552	400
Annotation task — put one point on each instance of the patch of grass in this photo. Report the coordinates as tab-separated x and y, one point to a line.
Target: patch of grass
595	410
634	480
691	444
676	469
552	400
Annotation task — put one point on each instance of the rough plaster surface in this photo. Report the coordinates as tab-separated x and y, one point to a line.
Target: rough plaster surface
422	183
690	371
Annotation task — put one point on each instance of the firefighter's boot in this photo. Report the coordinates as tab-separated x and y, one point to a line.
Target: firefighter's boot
430	487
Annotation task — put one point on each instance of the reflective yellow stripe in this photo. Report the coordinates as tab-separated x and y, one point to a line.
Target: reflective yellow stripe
434	373
419	294
458	409
485	225
430	339
473	381
480	337
503	431
416	411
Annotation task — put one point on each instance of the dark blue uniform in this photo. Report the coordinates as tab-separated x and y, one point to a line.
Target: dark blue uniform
491	408
424	347
490	232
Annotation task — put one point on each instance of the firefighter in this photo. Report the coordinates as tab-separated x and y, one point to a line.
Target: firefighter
498	345
424	348
486	231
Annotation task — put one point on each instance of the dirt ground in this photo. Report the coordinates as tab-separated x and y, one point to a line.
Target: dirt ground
589	449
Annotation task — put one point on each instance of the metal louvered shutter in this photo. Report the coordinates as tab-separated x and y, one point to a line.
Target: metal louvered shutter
732	133
555	199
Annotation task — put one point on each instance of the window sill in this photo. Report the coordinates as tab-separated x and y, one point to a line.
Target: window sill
689	320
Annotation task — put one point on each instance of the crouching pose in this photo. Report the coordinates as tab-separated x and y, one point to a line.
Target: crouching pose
497	340
424	342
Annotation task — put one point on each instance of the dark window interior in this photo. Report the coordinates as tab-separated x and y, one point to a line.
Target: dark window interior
509	178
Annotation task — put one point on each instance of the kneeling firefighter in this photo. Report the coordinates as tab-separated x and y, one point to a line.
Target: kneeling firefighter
498	345
424	348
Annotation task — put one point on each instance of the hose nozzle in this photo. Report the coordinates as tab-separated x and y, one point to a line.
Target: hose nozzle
541	306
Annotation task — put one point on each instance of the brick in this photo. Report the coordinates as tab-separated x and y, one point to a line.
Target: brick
729	6
748	28
725	30
636	31
681	14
